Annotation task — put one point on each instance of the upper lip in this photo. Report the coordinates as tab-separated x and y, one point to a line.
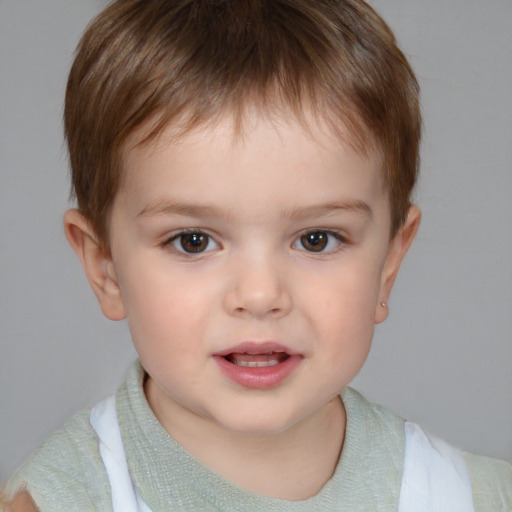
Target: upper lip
255	348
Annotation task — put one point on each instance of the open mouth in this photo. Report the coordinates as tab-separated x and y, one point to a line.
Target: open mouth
261	365
256	360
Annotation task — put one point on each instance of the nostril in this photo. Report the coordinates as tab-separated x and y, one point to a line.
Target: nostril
254	299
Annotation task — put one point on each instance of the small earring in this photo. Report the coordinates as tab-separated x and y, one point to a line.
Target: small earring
384	304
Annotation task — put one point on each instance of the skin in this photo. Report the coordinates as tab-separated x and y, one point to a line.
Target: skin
253	199
22	503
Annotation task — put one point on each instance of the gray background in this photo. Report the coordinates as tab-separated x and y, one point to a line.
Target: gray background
444	356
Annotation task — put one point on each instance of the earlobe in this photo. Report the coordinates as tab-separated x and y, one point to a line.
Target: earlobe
398	248
96	262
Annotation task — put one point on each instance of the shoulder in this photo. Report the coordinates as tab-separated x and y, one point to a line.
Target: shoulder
66	469
491	480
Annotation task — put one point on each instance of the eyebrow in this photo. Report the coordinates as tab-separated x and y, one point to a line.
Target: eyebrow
185	208
189	209
331	208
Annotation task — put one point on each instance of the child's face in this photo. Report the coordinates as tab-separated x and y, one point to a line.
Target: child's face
251	271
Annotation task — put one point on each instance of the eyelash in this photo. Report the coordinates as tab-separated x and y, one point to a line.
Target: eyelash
298	243
340	241
179	238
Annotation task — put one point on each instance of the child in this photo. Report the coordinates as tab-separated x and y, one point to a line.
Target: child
243	173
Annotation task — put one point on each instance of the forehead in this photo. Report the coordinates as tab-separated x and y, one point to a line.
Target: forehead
273	167
254	128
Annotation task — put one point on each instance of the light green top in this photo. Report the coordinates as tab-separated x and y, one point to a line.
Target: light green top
67	473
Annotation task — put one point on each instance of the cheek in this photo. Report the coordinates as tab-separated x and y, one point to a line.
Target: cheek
341	311
162	308
165	334
347	293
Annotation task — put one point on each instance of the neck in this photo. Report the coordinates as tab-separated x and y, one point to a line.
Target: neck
293	465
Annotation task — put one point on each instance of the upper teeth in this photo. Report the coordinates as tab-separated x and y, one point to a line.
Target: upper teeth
256	364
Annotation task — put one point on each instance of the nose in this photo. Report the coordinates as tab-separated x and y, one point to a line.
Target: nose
257	289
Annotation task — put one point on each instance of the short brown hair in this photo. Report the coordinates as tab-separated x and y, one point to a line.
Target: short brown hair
194	60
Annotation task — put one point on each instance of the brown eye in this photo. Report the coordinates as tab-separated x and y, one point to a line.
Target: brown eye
320	241
194	242
315	242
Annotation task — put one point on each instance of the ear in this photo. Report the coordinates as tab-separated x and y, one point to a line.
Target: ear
398	248
97	264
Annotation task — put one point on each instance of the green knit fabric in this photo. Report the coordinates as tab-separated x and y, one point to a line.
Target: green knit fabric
67	473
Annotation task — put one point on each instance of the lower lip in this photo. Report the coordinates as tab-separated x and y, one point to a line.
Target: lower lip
259	378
